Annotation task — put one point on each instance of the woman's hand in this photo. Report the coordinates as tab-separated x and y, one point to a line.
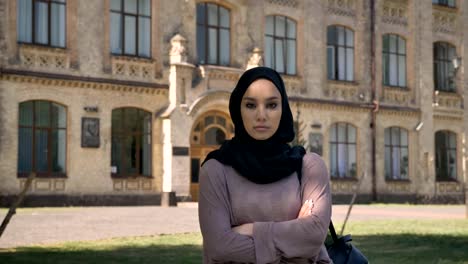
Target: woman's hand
245	229
306	209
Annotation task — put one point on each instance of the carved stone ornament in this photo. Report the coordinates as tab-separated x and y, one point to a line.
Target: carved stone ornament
444	21
178	53
255	59
289	3
342	7
395	12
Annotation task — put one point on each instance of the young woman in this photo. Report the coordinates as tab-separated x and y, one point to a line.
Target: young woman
261	200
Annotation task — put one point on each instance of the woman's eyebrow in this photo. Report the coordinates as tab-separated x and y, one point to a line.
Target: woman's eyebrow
254	99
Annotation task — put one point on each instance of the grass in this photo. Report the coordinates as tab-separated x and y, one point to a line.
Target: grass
396	241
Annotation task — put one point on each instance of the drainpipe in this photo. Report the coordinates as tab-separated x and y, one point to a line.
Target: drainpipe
375	102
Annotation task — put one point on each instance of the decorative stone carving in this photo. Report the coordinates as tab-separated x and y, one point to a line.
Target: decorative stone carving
398	96
342	7
447	100
449	187
398	187
178	53
43	57
255	59
444	20
138	184
395	12
289	3
293	84
342	90
133	67
343	186
45	185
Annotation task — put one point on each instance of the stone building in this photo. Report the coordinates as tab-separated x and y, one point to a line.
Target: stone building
119	101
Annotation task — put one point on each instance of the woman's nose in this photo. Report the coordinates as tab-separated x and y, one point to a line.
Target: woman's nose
261	113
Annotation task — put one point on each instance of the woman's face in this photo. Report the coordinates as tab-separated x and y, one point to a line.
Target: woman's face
261	109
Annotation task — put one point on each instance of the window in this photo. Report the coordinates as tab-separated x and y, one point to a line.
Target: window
213	34
446	155
41	22
394	60
42	139
280	44
444	72
340	53
130	22
396	153
131	142
448	3
343	151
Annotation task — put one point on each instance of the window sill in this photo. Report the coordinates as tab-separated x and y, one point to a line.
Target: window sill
135	176
46	47
342	82
447	180
44	175
398	180
400	88
445	7
349	179
132	58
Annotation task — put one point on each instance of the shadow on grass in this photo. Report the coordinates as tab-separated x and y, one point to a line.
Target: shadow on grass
133	254
401	248
412	248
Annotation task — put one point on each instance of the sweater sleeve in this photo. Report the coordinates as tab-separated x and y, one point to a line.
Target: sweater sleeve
219	241
301	237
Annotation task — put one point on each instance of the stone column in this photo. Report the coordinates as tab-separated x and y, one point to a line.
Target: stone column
464	84
177	126
425	85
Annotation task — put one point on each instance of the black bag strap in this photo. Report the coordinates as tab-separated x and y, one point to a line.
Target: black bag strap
332	232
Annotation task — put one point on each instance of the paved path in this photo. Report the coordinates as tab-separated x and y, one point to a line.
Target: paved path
52	225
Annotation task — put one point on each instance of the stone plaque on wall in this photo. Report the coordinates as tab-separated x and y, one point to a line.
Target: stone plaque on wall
316	143
90	132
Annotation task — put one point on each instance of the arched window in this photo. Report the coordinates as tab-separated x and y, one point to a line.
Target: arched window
131	142
444	72
212	130
42	139
394	60
41	22
213	34
130	32
280	44
340	53
396	153
343	151
446	155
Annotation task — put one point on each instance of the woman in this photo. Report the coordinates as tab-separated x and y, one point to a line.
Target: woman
262	201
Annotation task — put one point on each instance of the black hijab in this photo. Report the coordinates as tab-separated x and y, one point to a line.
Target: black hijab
260	161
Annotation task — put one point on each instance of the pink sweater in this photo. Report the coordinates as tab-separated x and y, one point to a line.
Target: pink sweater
228	199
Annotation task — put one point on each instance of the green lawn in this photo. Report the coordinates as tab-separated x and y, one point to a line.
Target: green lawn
399	241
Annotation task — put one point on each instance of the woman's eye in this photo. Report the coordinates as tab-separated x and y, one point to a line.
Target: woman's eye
272	105
250	105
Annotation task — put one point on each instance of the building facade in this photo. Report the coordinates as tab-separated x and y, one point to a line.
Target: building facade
119	101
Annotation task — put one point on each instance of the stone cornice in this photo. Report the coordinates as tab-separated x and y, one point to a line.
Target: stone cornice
81	82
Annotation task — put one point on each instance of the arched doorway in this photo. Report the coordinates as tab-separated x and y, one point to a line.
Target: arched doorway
209	132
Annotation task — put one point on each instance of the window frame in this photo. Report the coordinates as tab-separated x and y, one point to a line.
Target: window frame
347	143
50	128
386	65
123	14
399	146
49	24
335	50
444	62
446	149
206	26
445	3
121	134
285	40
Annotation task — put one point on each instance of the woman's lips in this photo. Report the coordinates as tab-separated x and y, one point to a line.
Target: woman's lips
261	128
